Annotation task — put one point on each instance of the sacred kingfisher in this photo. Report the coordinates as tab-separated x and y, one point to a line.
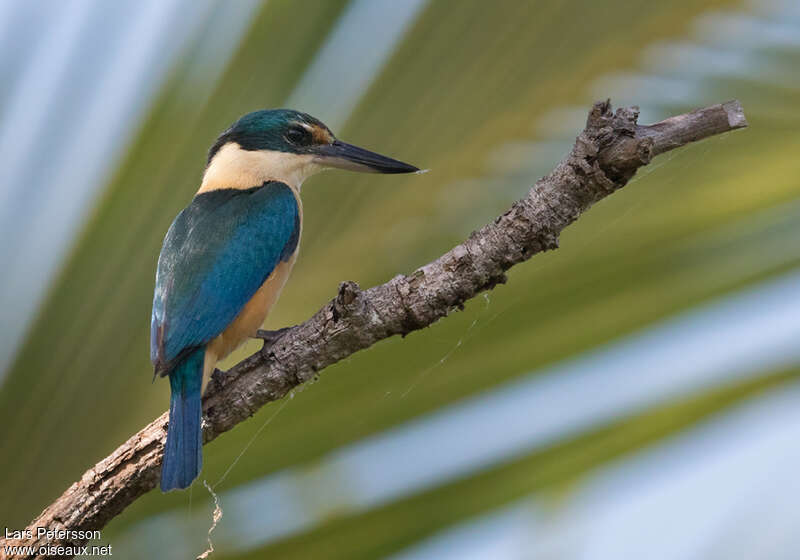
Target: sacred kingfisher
228	254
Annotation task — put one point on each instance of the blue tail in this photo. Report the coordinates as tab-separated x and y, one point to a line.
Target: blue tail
183	455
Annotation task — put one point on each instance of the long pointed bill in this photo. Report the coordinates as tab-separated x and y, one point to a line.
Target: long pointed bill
346	156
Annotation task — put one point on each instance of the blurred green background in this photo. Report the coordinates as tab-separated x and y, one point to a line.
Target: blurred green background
633	394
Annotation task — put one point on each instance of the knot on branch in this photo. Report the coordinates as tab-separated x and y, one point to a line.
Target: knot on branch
609	150
600	116
622	152
347	302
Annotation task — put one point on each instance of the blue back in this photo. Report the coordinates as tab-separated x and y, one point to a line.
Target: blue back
218	252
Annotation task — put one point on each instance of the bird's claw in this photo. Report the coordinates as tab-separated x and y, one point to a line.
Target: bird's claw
270	337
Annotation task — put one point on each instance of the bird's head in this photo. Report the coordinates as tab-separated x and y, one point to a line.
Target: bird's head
288	146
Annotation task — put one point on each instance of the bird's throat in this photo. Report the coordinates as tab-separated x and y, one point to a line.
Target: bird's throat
235	168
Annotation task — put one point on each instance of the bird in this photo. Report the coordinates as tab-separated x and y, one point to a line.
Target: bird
228	254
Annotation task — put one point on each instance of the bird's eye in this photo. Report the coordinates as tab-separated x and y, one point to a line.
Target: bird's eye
299	135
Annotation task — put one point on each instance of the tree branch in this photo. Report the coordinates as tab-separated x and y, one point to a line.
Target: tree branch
605	156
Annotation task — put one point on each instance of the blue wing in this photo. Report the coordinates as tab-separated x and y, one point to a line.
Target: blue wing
218	252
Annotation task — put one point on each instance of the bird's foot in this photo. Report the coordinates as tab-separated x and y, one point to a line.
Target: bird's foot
270	337
215	380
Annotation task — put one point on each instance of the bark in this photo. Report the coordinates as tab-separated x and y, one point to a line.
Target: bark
604	158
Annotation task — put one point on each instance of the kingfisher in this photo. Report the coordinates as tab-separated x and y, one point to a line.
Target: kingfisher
228	254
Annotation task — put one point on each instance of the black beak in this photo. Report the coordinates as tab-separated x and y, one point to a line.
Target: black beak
346	156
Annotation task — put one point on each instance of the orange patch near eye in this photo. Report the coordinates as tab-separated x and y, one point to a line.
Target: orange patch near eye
321	135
